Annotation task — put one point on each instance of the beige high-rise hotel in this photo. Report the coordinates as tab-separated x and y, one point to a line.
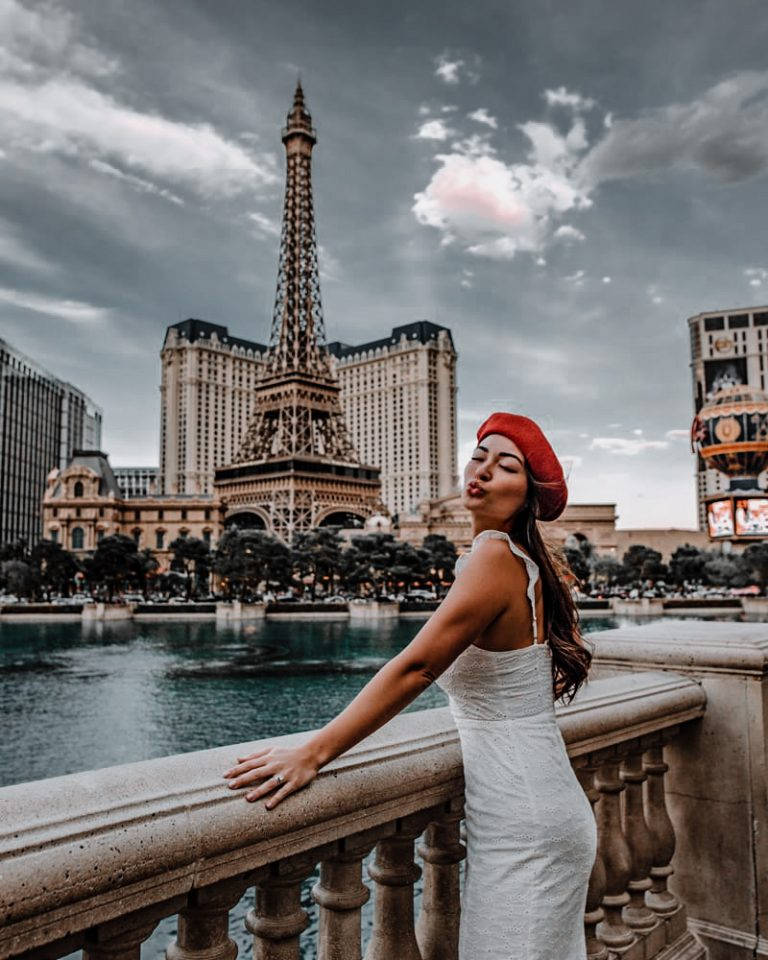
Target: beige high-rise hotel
399	399
398	395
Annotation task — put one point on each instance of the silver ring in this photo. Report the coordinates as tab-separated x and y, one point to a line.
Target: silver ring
279	777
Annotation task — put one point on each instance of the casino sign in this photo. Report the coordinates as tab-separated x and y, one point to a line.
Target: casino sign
730	434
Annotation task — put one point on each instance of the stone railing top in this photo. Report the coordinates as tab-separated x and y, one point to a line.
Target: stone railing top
695	646
86	848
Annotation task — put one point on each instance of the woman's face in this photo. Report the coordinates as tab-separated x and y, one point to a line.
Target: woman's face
495	481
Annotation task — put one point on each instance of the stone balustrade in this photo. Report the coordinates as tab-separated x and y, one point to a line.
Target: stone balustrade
95	860
716	784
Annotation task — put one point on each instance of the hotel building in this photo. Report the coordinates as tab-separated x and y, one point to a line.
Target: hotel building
42	421
206	401
398	395
399	401
83	503
136	481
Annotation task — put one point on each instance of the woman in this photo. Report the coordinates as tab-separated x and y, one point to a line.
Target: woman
505	644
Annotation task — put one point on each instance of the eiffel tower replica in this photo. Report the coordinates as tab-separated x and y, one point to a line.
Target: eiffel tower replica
297	467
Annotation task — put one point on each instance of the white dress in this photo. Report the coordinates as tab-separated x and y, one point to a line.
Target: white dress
531	834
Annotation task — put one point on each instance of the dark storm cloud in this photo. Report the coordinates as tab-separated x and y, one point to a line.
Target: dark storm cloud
723	133
141	179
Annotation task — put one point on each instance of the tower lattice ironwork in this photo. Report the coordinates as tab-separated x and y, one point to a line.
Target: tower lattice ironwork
298	411
297	466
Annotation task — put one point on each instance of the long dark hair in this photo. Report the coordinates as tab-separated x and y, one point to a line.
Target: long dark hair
571	653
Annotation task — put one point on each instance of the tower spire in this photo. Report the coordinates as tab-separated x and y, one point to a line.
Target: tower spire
297	466
297	341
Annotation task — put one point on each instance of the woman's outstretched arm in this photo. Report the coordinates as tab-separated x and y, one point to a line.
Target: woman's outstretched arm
479	594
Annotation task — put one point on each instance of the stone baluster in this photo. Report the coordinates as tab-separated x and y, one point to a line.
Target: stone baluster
660	898
395	873
637	915
277	917
437	929
594	913
340	893
616	855
121	938
203	931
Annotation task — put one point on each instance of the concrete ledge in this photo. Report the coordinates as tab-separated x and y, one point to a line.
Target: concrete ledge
107	611
373	610
237	611
643	607
701	646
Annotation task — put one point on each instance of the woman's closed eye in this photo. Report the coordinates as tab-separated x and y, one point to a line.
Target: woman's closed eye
505	469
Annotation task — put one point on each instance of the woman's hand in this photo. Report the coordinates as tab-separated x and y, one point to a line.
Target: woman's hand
289	768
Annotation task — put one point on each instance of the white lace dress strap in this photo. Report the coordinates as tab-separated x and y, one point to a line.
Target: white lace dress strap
531	567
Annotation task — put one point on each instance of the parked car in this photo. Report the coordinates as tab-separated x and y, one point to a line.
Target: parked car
420	595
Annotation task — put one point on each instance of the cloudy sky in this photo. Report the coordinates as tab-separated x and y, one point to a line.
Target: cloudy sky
561	184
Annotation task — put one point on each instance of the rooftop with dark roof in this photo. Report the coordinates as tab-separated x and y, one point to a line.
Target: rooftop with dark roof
421	330
193	330
98	461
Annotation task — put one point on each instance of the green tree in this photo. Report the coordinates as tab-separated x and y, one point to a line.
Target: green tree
245	558
318	554
113	564
722	570
441	559
606	569
54	567
146	569
755	562
687	563
192	557
407	564
18	577
368	561
578	565
16	550
579	554
642	563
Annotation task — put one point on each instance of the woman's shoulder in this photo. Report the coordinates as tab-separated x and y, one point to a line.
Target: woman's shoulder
503	543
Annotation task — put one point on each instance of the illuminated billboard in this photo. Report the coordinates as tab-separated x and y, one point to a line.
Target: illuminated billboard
720	518
752	516
723	373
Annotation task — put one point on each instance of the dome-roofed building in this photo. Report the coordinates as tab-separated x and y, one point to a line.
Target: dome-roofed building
83	504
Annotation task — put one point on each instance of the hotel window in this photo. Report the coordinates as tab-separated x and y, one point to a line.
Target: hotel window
736	321
714	323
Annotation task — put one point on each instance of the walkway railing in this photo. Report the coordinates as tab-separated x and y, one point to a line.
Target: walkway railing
95	860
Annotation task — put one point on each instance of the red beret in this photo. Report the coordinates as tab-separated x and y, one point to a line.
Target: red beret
542	462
